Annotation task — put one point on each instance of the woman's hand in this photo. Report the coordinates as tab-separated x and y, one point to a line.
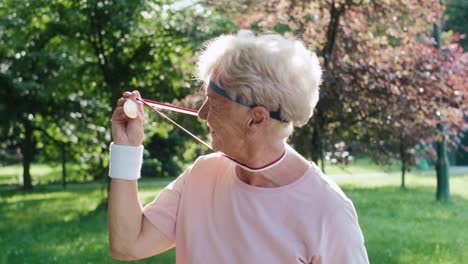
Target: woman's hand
125	130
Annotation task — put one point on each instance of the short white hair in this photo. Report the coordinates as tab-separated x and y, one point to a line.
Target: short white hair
269	70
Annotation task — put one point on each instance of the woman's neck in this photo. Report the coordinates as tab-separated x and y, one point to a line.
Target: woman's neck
292	167
253	157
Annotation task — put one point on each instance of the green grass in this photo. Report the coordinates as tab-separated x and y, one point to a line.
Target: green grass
410	227
50	225
59	226
41	174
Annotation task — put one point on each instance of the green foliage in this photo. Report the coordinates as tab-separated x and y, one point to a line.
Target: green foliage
63	64
456	19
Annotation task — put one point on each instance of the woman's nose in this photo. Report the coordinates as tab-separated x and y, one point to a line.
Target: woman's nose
202	112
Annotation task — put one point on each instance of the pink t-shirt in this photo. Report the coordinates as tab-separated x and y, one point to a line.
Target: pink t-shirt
214	217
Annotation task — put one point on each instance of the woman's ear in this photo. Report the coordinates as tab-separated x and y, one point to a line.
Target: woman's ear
259	115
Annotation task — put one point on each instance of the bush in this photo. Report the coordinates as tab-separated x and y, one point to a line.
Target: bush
151	168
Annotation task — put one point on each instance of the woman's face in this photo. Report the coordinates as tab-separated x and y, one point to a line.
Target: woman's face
226	121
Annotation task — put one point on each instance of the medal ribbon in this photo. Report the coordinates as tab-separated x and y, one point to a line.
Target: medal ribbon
155	106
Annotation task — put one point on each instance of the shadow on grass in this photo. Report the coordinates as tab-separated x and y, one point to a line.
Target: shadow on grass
67	226
409	226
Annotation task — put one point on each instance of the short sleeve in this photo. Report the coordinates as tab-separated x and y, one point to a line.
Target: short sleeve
343	240
162	211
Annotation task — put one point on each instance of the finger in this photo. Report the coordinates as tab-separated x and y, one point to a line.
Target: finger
134	95
140	106
115	114
137	94
141	113
121	101
119	114
126	94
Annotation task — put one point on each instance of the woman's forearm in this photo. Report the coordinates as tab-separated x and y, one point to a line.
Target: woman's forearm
124	217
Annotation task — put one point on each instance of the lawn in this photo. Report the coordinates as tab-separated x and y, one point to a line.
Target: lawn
51	225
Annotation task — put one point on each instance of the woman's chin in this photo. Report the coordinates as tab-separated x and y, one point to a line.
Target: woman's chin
215	146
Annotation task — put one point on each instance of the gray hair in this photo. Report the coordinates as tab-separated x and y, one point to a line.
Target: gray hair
269	70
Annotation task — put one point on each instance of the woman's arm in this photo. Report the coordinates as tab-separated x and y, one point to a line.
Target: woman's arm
131	235
344	241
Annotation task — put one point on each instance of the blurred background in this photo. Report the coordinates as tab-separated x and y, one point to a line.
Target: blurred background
390	127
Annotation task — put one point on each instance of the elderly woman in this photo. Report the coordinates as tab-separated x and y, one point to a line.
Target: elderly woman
255	200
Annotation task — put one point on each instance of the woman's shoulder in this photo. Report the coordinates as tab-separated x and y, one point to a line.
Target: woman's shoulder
211	159
209	165
322	188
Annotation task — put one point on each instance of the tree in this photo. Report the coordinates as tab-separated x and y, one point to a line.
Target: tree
149	46
28	101
64	64
380	83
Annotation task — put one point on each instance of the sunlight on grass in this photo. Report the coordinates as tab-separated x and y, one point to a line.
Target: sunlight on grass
41	174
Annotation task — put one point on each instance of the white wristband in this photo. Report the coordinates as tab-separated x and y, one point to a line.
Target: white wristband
125	161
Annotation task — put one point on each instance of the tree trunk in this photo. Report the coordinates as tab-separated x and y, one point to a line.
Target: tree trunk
314	152
317	144
298	139
318	136
312	146
64	166
335	14
28	148
117	93
443	191
403	159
